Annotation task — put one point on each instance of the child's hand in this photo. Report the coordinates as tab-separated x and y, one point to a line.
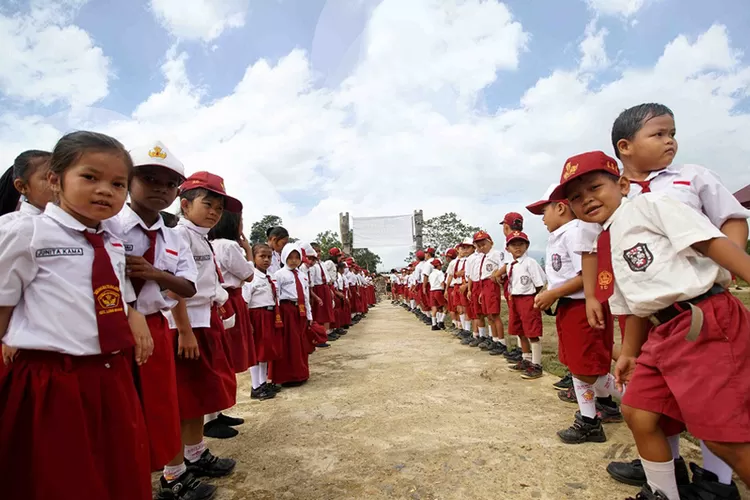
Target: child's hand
144	345
595	313
544	300
320	301
187	345
138	267
9	354
624	371
468	295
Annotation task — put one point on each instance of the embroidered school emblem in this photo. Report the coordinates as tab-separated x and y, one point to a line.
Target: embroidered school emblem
556	261
612	167
570	169
605	279
638	257
525	280
157	152
489	267
108	298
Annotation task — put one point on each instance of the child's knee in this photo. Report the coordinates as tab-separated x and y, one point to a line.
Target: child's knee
639	421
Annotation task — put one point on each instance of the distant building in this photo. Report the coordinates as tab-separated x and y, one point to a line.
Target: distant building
743	196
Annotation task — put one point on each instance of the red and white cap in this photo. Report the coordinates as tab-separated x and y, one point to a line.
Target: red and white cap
513	218
156	153
430	251
537	208
482	235
582	164
436	263
516	235
334	252
213	183
467	242
452	253
420	254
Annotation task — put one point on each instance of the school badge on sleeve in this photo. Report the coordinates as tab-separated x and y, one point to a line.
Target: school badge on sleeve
639	257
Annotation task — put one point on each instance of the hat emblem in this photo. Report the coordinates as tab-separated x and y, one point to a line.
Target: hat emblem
613	167
570	169
157	152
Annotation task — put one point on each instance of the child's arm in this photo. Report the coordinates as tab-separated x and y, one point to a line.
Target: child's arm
8	352
636	333
545	299
594	309
144	344
737	231
314	297
728	255
187	344
138	267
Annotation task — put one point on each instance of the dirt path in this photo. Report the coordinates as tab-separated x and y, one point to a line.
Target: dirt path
394	410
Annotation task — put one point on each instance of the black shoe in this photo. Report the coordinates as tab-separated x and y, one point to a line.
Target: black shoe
324	345
533	371
609	414
583	432
217	430
332	337
569	396
296	383
498	349
435	328
467	340
210	466
485	344
262	393
514	356
185	487
275	388
632	473
520	366
230	421
647	493
706	486
475	341
564	383
441	325
465	334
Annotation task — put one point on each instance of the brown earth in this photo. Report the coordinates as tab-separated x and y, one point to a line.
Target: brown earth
394	410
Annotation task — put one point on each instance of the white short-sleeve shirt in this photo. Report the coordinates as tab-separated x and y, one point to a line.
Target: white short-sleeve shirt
45	268
287	287
494	260
473	264
171	254
562	263
25	209
652	258
436	279
234	266
258	293
527	275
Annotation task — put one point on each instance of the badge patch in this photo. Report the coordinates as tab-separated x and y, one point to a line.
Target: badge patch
108	298
57	252
489	267
128	247
525	280
638	257
556	261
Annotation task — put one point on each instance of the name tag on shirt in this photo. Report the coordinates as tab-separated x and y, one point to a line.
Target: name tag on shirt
128	248
57	252
202	258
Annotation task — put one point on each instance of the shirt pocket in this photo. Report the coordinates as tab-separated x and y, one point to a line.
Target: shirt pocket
168	262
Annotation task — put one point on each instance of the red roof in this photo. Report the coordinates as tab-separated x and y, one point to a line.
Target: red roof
743	196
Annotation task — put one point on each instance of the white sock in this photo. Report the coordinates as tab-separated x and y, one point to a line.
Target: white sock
441	317
482	331
585	397
456	323
716	465
263	369
526	356
255	376
413	304
495	339
605	386
502	341
462	318
491	330
434	321
674	444
194	452
172	472
660	476
210	417
467	325
536	353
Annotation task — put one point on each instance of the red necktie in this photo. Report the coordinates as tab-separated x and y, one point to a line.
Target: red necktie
149	256
605	277
300	293
278	321
645	186
509	282
463	270
226	310
481	266
111	321
323	273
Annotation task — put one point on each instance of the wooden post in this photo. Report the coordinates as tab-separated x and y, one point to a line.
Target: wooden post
345	232
418	223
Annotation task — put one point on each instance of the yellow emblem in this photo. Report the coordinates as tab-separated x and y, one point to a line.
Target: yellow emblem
108	298
222	187
570	169
157	152
613	167
605	279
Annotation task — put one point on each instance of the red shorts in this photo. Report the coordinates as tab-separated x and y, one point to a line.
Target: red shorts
437	298
456	298
157	387
207	384
490	297
584	350
72	428
476	293
523	319
683	379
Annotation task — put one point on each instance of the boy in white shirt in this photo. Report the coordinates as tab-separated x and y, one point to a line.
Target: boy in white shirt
491	261
437	295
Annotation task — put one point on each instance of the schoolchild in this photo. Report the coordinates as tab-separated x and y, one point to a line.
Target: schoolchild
24	189
492	261
512	221
451	258
437	294
277	237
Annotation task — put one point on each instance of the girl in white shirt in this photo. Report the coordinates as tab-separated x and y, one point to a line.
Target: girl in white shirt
71	423
277	237
25	181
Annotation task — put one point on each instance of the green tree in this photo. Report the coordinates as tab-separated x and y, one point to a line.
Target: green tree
444	232
366	259
258	229
328	240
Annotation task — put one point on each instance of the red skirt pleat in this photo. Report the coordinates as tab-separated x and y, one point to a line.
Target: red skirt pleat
269	340
72	428
157	387
292	366
241	341
207	384
323	313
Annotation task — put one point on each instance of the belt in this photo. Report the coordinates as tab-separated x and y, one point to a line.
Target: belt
293	302
669	313
265	308
560	302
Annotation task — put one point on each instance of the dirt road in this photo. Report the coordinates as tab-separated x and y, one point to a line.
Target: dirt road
394	410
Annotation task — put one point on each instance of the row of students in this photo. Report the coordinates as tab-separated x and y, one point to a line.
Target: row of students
121	335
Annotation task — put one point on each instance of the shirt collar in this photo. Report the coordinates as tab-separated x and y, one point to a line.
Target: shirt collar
129	219
561	230
28	209
65	219
614	215
203	231
521	258
671	169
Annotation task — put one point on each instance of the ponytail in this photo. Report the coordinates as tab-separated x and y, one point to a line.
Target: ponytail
9	196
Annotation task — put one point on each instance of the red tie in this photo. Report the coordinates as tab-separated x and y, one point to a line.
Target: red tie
226	310
149	256
300	293
645	186
509	282
481	266
111	321
323	273
279	323
605	277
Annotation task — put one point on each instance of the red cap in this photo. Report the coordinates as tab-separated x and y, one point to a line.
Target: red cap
436	263
482	235
213	183
452	253
420	254
537	208
576	166
334	252
430	251
513	218
516	235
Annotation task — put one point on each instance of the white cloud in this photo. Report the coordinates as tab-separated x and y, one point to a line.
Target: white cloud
403	132
624	8
202	20
593	49
47	60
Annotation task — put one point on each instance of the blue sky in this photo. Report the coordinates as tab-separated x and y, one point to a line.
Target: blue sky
360	102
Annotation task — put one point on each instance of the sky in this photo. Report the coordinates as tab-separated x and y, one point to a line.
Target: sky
309	108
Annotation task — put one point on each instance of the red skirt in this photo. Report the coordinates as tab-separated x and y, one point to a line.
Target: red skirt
207	384
72	428
241	341
323	313
268	338
292	366
343	314
157	386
